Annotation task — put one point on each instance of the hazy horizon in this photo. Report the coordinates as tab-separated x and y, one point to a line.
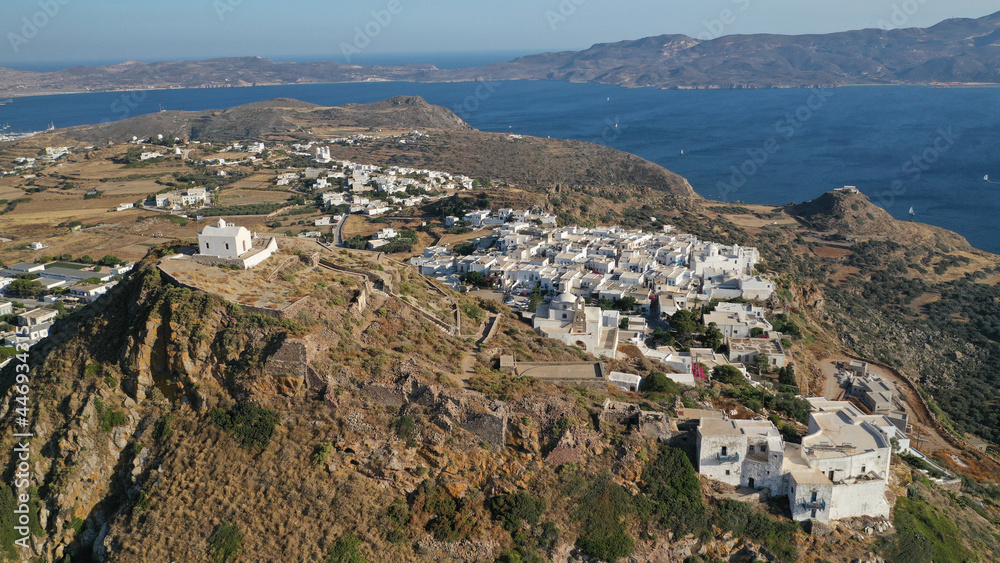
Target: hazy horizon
41	37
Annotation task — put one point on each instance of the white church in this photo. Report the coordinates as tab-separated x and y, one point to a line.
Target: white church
236	244
570	320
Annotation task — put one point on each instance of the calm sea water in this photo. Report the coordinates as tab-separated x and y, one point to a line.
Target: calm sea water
918	147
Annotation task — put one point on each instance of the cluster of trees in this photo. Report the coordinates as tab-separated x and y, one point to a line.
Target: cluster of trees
402	243
658	382
686	331
625	305
465	248
783	324
357	242
475	278
25	288
757	400
133	158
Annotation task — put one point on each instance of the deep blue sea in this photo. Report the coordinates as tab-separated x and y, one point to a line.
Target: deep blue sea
920	147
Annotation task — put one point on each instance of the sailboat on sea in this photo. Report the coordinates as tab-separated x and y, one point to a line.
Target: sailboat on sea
912	213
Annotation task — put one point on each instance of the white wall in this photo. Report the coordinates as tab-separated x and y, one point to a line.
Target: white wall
709	465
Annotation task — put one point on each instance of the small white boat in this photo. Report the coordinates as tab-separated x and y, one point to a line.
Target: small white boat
986	178
912	212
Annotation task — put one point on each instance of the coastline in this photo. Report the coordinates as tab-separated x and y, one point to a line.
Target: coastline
944	85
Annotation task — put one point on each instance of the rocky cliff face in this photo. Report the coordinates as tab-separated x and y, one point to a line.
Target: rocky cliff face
108	375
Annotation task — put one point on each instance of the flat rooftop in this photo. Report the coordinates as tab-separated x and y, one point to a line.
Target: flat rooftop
810	477
39	314
768	346
841	435
717	427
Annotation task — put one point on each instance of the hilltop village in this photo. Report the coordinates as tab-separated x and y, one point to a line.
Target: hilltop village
650	308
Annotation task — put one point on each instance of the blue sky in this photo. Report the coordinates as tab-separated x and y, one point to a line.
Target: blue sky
117	30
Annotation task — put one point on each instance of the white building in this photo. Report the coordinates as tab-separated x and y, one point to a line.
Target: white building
571	321
746	351
183	198
386	234
841	469
225	240
88	293
746	453
626	381
34	334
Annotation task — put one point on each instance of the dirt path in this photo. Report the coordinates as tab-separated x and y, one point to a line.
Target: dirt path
469	361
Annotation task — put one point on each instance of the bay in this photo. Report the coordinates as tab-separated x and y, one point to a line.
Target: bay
903	146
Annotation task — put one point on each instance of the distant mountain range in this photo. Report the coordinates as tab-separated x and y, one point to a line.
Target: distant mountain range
956	51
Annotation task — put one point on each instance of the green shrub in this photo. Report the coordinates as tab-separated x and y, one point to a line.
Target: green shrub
602	511
473	312
450	520
345	550
658	382
515	510
250	424
398	514
674	492
163	429
924	534
142	501
225	543
109	418
729	375
322	453
789	405
245	209
405	427
743	520
548	535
